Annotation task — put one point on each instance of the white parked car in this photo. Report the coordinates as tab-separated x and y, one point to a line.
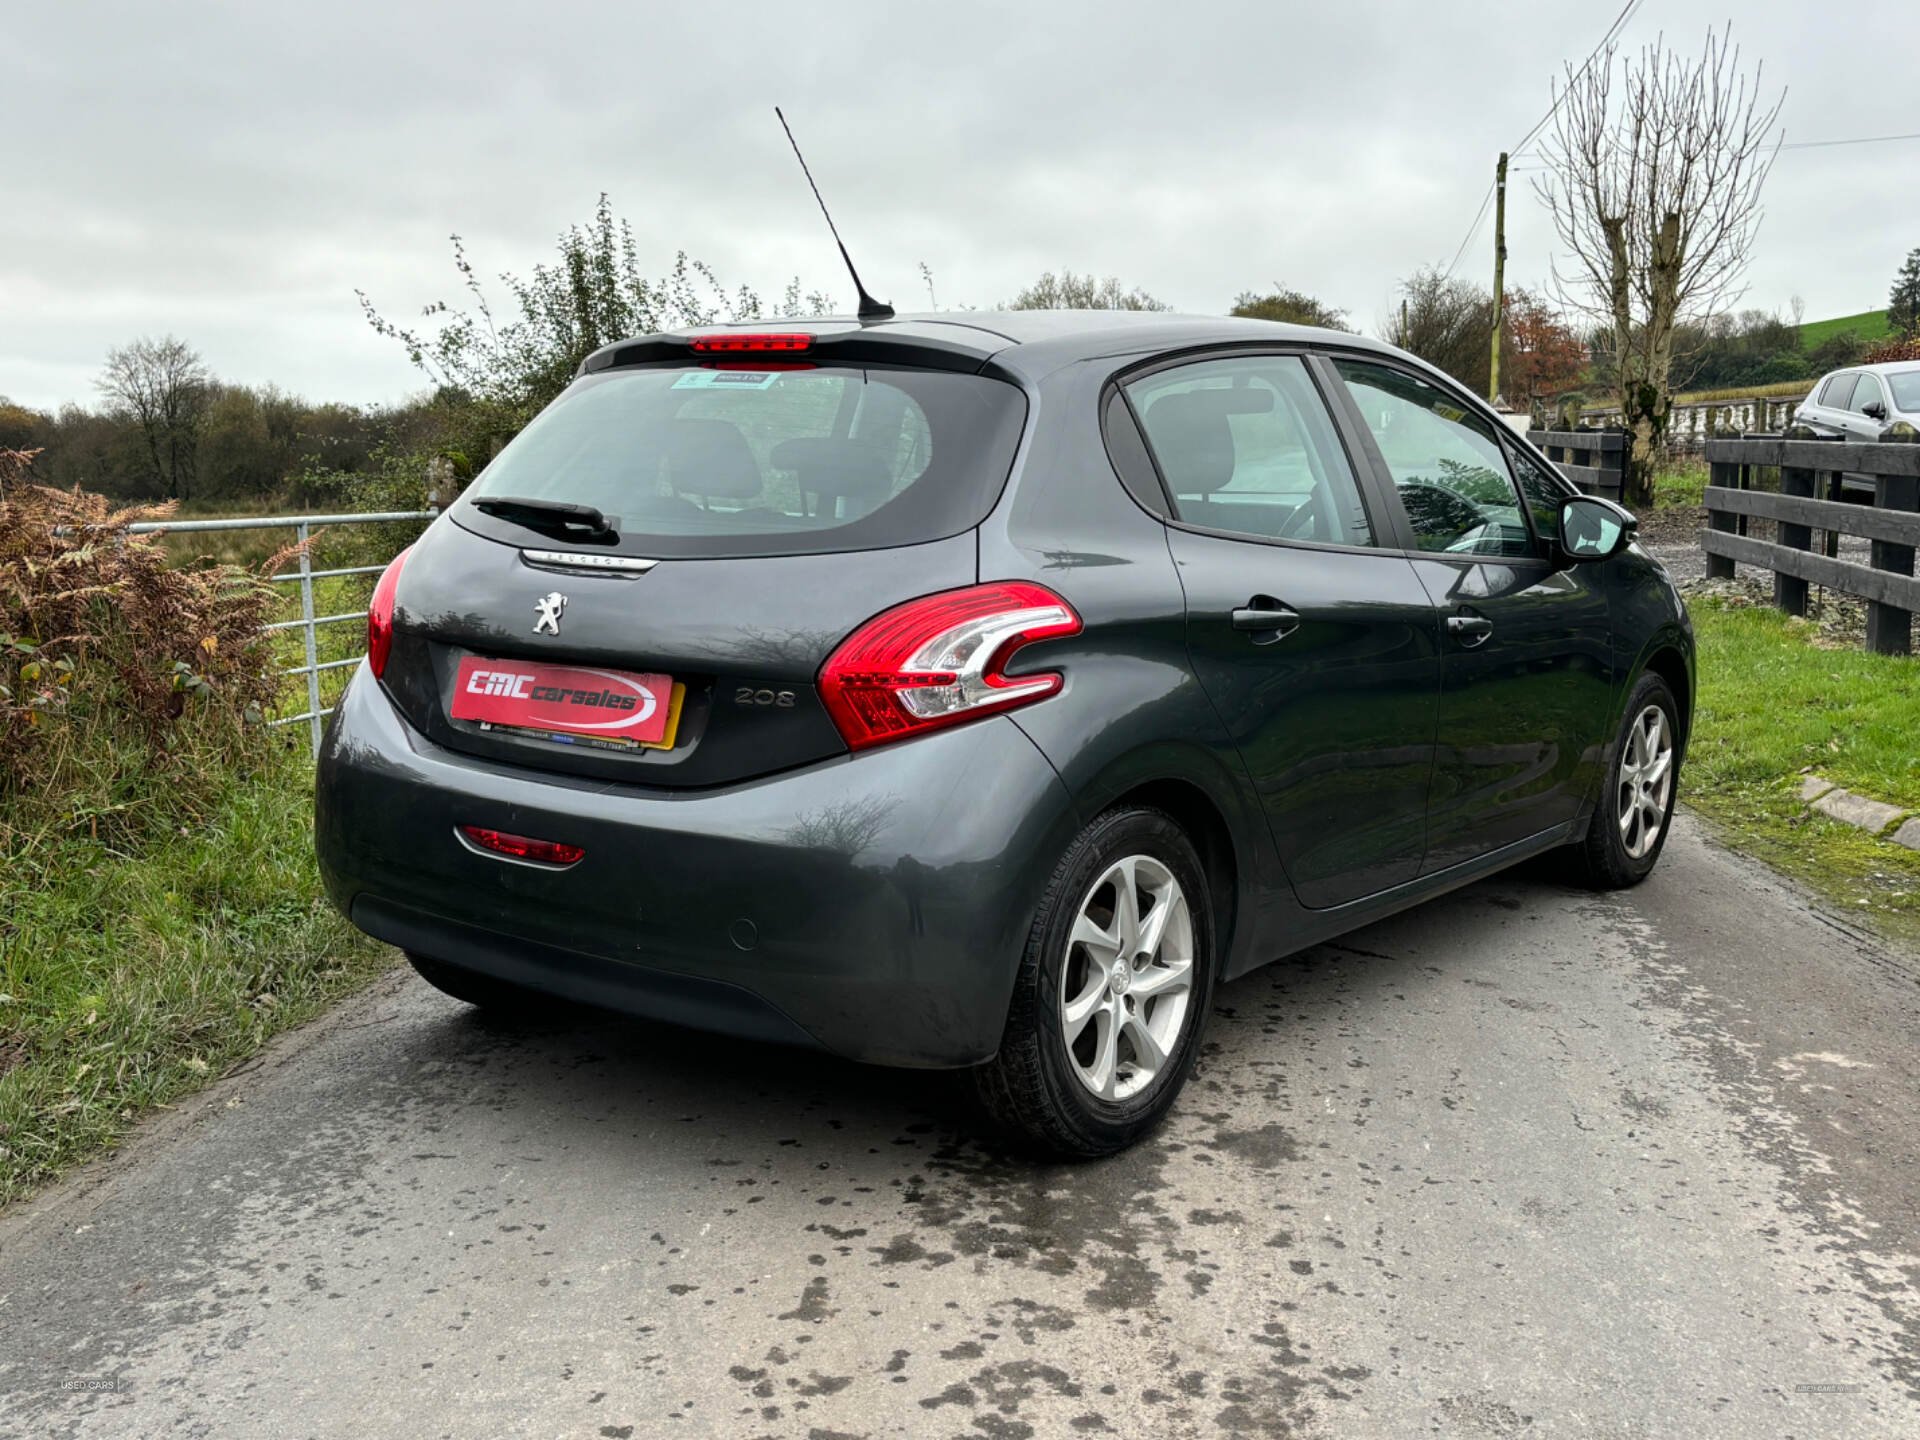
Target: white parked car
1861	402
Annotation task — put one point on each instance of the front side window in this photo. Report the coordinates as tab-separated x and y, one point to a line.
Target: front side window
1866	393
1246	446
1447	463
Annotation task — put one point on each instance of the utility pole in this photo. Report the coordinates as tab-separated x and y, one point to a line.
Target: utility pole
1499	272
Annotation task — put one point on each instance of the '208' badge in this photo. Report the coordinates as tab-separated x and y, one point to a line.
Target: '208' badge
547	611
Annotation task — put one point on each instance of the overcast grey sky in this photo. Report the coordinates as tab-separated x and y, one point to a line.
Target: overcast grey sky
231	172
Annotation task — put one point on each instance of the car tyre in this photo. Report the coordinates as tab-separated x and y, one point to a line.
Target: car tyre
1635	808
1093	1058
476	989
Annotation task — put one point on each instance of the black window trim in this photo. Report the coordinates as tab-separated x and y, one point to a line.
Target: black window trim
1364	479
1503	435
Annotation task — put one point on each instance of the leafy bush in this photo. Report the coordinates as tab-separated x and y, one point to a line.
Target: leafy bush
1290	307
595	292
115	667
1837	351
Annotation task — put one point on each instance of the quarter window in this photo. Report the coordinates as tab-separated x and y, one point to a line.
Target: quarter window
1446	462
1544	492
1247	446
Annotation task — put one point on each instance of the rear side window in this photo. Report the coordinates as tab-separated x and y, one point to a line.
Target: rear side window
1447	464
1838	392
706	461
1246	446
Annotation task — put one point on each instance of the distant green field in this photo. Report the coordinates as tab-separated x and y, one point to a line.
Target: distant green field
1869	325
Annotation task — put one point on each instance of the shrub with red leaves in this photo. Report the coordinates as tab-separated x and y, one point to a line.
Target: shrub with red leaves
1907	349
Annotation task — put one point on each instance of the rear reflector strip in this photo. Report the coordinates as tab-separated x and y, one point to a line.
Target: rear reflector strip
520	847
572	560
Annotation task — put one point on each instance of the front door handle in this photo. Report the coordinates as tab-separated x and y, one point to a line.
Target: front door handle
1267	618
1469	629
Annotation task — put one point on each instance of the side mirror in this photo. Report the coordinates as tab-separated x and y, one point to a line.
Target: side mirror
1594	529
1875	409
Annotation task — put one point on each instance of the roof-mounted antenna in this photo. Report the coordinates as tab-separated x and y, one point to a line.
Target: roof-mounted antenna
870	308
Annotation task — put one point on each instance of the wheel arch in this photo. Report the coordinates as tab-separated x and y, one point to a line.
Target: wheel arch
1667	661
1197	814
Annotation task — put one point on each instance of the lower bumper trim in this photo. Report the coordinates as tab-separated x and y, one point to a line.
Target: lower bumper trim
692	1001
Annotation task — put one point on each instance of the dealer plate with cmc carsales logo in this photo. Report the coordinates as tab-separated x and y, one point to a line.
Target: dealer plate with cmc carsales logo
572	704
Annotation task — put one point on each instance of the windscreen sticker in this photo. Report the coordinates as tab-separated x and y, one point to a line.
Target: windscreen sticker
727	380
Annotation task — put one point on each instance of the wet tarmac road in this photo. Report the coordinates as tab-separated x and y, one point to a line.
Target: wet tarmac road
1525	1161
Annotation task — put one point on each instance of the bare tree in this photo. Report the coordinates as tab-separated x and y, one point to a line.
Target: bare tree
1448	323
1656	194
162	386
1068	291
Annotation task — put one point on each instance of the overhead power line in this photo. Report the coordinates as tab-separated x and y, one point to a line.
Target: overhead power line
1856	140
1626	13
1473	229
1794	145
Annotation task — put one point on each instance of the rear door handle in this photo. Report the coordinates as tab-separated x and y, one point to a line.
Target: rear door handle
1469	630
1267	618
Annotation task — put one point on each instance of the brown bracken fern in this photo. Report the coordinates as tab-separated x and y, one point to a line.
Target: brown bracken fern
99	633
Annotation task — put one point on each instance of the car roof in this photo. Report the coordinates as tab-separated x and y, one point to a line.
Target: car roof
1033	341
1879	367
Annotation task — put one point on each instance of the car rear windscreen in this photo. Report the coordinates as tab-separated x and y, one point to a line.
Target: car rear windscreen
710	461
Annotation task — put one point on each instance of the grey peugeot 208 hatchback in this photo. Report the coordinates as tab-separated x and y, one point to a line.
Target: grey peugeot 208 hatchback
982	690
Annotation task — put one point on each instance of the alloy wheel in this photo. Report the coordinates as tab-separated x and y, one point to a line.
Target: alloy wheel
1127	984
1645	786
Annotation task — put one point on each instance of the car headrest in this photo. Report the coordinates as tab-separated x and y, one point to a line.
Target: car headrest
707	457
830	467
1191	436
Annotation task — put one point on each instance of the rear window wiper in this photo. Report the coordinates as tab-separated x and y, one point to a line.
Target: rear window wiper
552	517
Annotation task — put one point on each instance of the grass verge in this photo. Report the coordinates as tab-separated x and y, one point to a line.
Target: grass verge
130	976
1780	389
1682	482
1772	703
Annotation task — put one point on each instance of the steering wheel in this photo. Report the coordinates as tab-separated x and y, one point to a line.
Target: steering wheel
1304	520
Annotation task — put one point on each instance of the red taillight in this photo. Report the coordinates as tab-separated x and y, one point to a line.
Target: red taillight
940	660
740	344
520	847
380	614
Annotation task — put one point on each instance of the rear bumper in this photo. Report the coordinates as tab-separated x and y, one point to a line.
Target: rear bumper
873	906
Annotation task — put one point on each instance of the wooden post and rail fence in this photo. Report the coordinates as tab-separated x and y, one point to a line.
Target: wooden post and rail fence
1814	474
1595	460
